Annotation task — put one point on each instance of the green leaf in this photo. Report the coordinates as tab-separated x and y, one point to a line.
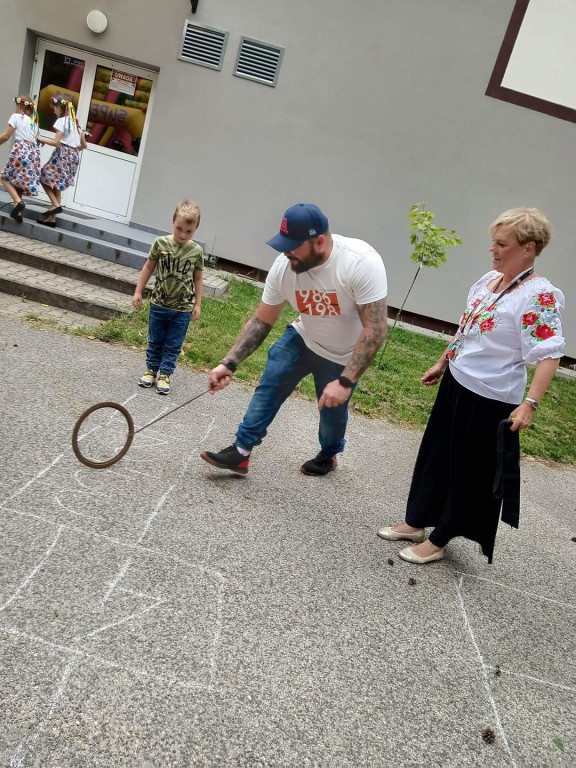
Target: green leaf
559	743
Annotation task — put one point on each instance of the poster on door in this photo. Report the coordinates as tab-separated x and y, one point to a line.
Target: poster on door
123	82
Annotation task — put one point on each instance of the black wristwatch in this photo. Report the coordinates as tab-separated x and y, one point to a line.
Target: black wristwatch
344	381
230	364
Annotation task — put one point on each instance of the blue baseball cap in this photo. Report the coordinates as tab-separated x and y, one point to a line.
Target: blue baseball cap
300	222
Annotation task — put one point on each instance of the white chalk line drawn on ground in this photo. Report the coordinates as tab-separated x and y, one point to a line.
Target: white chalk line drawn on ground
155	511
104	662
514	589
484	673
23	584
27	485
113	584
218	578
532	679
27	746
136	615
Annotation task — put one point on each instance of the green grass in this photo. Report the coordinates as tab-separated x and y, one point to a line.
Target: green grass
392	392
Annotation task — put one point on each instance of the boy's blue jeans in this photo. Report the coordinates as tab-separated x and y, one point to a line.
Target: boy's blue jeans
166	333
289	360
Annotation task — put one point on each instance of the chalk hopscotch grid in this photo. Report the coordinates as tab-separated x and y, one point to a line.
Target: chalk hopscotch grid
73	654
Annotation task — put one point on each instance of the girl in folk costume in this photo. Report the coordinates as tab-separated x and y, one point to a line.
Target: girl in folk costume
60	171
21	174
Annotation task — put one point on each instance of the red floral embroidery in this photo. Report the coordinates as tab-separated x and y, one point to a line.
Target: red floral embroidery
529	319
468	312
546	299
542	332
486	325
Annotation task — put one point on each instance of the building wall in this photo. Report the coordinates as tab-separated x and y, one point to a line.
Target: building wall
379	105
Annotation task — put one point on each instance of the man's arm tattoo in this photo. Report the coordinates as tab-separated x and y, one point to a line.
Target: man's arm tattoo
250	338
374	318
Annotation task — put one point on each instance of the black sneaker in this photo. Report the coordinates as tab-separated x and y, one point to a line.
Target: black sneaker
228	458
319	465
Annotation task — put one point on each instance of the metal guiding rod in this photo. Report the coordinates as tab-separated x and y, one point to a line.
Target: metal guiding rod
131	430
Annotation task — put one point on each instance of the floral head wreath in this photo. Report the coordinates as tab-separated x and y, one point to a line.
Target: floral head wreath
33	115
69	113
24	102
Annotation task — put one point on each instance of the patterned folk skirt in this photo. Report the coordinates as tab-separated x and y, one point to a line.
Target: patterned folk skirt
23	167
60	170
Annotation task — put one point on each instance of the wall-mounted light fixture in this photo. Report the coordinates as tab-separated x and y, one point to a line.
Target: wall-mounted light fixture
97	21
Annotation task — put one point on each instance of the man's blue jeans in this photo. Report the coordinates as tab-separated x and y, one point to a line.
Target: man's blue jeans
166	333
289	361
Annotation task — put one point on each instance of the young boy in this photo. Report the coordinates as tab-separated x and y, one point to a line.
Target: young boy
178	282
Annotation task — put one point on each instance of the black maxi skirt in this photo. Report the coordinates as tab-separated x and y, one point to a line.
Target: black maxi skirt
452	486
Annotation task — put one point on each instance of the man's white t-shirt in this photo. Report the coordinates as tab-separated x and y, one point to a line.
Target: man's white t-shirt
328	295
22	127
70	138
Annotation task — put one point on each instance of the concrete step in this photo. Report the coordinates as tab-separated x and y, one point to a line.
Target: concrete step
126	246
134	238
82	243
87	268
20	308
83	265
66	263
63	292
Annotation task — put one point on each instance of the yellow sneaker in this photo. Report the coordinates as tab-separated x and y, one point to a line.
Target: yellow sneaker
148	379
163	384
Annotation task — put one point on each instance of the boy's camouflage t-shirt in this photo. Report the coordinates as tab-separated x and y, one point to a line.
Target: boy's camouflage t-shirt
174	287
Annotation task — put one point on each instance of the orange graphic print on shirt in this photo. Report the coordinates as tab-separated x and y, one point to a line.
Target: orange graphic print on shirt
319	303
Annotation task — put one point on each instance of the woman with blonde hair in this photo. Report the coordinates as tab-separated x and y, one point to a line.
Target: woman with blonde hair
468	463
21	174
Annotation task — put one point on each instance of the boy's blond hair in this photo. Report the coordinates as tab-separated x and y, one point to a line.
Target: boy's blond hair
189	211
529	224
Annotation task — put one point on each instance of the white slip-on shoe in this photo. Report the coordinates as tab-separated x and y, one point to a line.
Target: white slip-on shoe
390	535
410	557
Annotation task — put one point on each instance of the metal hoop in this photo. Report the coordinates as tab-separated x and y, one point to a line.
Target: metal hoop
120	454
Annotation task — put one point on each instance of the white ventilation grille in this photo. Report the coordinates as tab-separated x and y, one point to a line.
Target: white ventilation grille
258	61
203	45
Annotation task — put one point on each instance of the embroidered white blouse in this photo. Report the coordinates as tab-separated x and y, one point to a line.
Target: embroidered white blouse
525	326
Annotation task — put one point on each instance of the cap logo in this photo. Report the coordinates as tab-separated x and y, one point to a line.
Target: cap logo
284	227
312	232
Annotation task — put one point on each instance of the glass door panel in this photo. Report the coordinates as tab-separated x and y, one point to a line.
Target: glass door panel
118	106
113	100
62	76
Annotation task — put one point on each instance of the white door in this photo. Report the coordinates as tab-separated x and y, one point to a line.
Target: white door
113	101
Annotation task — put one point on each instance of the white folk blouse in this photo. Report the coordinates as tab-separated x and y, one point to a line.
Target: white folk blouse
523	327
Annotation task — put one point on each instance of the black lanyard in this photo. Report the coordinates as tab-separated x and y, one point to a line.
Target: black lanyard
513	284
474	315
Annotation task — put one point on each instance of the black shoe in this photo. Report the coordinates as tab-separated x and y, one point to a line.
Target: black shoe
16	212
319	465
47	214
228	458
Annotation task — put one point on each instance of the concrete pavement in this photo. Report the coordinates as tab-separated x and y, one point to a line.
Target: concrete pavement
163	613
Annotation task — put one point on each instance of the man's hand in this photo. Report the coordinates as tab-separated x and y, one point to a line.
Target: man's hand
137	299
334	394
218	378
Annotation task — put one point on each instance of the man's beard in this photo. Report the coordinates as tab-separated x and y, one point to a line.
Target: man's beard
312	259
